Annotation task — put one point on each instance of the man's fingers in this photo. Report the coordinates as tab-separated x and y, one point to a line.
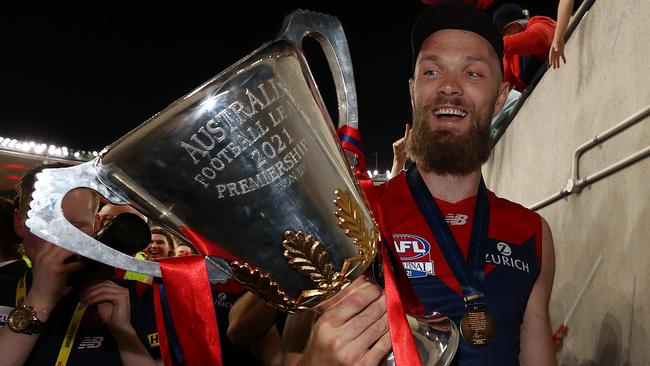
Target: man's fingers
399	144
378	352
370	335
334	300
360	326
113	298
351	304
103	287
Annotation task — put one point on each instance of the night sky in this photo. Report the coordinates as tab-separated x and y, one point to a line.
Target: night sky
84	75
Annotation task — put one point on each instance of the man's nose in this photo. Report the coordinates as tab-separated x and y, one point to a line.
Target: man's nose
449	86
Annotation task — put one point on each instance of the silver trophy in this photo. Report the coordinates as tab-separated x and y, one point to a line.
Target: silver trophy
250	162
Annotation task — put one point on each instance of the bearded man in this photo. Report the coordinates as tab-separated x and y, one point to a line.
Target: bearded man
485	262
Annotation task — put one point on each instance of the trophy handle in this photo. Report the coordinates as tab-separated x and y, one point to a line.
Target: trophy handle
45	219
327	30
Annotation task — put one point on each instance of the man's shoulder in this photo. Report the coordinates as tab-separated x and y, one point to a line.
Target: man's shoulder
511	208
393	186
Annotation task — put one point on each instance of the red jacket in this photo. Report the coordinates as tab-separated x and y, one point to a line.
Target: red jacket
535	40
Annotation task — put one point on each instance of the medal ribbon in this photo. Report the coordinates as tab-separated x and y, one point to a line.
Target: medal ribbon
469	273
70	334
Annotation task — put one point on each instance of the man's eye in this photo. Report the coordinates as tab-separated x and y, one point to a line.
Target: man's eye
473	74
431	72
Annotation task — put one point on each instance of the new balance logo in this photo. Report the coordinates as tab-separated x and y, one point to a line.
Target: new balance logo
456	219
90	342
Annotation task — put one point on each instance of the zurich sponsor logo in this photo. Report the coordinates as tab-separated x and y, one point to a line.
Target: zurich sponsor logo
504	248
414	252
506	258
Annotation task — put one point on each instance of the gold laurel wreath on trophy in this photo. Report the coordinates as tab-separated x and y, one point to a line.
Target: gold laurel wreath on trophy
309	257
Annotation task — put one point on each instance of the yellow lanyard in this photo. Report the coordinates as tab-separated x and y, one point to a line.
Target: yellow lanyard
70	334
21	290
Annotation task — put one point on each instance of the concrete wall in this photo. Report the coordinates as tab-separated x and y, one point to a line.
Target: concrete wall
606	79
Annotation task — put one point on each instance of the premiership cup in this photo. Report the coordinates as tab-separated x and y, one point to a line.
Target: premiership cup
249	162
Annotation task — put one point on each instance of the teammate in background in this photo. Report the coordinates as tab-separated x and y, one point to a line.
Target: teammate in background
183	250
481	256
161	245
53	323
109	211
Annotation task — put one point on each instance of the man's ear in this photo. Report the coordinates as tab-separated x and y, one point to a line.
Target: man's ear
19	223
501	99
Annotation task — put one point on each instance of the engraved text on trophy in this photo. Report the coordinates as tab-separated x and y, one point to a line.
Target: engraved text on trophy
250	129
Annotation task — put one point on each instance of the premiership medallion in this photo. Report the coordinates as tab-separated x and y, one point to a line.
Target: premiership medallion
477	326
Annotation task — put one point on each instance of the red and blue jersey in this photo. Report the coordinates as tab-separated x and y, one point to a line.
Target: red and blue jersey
512	264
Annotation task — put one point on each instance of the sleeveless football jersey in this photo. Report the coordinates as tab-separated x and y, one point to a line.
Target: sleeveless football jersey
512	264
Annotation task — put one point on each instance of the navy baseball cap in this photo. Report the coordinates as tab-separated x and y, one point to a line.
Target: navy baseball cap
506	14
455	15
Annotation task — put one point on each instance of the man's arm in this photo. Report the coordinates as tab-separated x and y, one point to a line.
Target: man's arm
537	38
352	330
50	274
564	9
536	344
250	319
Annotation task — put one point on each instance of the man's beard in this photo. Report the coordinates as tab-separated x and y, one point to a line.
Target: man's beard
447	152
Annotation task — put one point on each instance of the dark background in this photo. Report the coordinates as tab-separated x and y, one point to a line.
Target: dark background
84	75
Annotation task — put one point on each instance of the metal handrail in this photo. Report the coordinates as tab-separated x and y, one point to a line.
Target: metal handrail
577	17
575	184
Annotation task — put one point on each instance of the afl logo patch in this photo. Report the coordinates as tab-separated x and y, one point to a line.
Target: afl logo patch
414	252
410	246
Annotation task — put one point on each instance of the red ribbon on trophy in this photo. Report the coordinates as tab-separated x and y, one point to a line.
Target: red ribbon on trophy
194	322
400	296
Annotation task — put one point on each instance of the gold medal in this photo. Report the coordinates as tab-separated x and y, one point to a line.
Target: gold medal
477	326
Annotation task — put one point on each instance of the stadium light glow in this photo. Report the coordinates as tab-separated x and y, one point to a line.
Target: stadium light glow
44	149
